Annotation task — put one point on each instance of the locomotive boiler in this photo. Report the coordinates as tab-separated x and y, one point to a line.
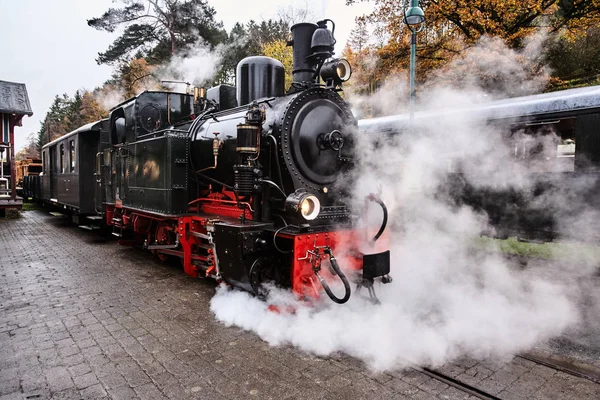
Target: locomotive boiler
246	184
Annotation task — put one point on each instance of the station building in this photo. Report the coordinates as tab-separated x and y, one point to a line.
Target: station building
14	105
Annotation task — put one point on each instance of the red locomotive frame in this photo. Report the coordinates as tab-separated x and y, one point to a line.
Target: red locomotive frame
192	234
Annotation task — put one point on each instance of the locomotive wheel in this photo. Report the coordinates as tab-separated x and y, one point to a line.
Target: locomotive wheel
162	236
264	271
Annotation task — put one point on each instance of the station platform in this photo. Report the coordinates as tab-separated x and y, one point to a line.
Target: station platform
82	318
6	201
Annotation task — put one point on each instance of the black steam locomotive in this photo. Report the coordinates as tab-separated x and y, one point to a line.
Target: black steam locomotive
244	184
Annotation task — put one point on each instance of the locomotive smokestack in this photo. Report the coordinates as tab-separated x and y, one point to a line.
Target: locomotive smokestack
302	34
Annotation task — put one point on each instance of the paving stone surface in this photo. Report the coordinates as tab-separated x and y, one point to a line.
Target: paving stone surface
83	318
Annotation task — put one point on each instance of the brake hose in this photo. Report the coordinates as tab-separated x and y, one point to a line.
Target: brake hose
377	199
337	271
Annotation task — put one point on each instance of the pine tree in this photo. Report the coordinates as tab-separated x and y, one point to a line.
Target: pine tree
157	28
248	40
359	36
67	114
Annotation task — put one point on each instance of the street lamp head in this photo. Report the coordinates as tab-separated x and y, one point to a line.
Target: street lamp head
414	16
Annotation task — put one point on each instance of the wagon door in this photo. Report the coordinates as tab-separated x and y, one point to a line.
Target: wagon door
52	177
102	168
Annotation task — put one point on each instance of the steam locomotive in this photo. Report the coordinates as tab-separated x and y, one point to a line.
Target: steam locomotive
244	184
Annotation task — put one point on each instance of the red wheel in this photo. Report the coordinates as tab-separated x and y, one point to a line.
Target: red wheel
163	236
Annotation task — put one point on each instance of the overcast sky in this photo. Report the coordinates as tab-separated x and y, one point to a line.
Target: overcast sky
52	50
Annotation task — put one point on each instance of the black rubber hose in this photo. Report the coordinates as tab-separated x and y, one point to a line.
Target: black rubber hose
377	200
274	185
277	233
339	272
192	132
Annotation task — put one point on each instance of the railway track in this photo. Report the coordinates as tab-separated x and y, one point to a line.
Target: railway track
472	390
572	368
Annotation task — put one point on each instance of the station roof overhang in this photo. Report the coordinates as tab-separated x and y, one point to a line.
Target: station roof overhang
14	101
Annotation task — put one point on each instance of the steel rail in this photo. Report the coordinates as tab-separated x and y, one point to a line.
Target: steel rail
473	391
593	376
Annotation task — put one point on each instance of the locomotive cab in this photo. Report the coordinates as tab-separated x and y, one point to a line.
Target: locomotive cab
149	112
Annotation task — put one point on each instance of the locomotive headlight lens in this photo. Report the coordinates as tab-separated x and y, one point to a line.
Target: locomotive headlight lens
309	206
343	69
337	70
303	203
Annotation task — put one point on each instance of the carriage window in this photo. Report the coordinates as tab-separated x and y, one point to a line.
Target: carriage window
44	162
62	158
72	151
545	146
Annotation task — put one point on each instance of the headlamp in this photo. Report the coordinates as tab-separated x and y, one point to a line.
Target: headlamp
303	203
337	71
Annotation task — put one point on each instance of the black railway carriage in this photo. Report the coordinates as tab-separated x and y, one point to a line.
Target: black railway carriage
556	136
32	187
566	107
69	170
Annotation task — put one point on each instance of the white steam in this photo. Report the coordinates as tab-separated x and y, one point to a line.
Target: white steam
395	88
197	66
109	96
436	310
448	299
497	70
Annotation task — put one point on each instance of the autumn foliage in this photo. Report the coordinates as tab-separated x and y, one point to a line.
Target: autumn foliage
69	113
454	26
505	47
279	50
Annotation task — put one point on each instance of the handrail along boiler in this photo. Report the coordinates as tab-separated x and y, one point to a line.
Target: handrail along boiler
244	183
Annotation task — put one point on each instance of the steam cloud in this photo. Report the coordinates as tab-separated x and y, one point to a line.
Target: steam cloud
492	67
109	96
196	64
447	300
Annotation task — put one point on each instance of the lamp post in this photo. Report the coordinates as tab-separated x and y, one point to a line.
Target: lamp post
414	18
